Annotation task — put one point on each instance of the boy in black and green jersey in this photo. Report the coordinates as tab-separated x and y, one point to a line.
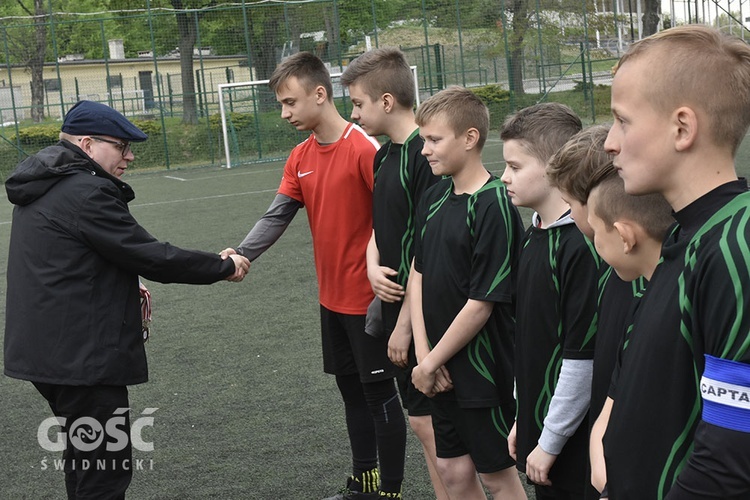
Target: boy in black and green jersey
381	88
557	290
628	233
575	169
461	288
680	421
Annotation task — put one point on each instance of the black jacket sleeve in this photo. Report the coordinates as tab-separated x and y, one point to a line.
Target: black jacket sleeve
106	224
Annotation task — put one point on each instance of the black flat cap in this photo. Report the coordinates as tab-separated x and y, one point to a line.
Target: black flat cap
88	117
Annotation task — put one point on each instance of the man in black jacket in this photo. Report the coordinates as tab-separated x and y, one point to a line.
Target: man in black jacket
73	316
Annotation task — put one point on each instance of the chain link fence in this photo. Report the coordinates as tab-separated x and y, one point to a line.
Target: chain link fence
161	66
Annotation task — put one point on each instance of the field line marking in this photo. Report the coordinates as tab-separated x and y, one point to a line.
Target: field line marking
204	198
218	176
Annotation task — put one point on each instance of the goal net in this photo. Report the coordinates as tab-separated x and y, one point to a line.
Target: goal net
251	126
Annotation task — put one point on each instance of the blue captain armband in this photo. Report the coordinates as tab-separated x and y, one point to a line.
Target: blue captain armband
725	388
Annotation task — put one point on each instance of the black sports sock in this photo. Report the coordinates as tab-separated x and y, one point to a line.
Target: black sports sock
390	430
359	425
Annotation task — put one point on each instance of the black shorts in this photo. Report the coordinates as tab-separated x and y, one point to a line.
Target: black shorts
347	349
473	431
415	402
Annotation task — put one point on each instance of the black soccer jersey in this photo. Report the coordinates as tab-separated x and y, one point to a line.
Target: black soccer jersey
402	175
616	304
679	421
556	318
467	249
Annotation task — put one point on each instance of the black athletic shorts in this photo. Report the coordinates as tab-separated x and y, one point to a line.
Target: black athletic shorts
415	402
473	431
347	349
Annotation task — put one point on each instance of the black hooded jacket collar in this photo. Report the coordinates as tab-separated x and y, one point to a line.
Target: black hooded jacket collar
37	174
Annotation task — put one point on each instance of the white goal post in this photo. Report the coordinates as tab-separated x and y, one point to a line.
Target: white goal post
226	86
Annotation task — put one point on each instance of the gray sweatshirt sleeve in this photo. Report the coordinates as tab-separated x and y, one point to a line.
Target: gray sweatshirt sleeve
569	404
270	227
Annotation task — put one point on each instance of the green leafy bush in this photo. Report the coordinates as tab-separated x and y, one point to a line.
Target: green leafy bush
239	121
492	94
38	134
150	127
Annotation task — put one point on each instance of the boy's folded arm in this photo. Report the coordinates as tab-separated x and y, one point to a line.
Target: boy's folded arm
569	404
419	332
465	326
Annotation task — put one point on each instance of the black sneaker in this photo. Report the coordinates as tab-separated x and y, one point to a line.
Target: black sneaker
348	494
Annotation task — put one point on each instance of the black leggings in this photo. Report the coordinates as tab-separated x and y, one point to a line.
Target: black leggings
377	428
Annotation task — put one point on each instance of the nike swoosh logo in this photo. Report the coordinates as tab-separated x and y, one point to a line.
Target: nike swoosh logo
302	174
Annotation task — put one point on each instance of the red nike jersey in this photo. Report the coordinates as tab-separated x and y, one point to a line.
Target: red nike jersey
335	183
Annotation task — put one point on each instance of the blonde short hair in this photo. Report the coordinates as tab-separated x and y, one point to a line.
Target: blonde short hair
460	108
579	161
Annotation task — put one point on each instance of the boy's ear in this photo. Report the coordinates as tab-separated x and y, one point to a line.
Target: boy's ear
685	121
627	233
472	137
388	102
320	94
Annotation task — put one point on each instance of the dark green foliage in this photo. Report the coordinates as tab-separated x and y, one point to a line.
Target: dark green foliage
581	86
37	134
492	94
151	127
239	121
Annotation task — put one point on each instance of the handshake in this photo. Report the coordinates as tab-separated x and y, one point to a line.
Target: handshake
241	264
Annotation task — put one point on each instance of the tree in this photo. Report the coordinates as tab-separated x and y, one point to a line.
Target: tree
520	24
187	27
651	10
28	45
355	16
187	14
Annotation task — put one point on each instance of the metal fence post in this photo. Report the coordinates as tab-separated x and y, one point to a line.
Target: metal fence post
158	87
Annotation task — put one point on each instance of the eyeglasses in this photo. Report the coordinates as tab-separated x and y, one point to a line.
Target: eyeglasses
123	147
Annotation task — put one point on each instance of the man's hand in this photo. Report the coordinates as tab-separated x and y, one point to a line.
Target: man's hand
241	264
398	346
538	464
385	288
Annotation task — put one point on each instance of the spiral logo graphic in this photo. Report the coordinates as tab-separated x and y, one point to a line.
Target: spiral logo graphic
86	434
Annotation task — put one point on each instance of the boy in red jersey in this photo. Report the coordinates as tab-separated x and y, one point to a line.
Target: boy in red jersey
331	175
